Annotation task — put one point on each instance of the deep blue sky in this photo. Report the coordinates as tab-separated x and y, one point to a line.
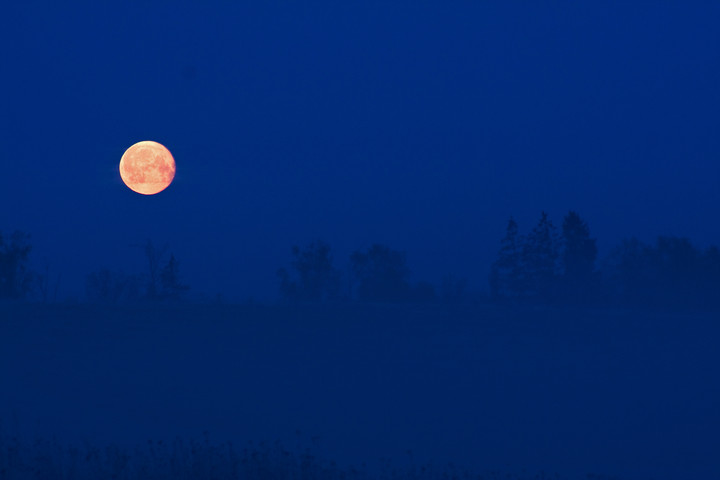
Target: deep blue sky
422	125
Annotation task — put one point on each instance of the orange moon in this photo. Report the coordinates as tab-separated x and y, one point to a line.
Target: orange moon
147	168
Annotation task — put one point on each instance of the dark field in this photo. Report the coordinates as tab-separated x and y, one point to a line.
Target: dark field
628	394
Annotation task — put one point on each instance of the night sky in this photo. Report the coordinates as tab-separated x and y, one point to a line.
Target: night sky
420	125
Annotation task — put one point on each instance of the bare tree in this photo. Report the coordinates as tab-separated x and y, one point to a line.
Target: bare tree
170	282
106	286
153	256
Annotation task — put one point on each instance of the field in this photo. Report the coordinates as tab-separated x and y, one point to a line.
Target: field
624	394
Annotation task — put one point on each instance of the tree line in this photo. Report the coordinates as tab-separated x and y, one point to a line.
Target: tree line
547	265
552	266
378	274
161	281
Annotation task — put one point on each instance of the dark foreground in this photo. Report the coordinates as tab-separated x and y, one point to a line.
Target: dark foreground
627	394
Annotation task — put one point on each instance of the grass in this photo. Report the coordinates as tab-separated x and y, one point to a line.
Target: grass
567	390
44	459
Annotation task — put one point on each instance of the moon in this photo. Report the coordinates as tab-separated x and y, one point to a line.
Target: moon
147	167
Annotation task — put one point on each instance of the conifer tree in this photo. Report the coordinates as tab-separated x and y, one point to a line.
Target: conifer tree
540	260
578	259
580	251
505	275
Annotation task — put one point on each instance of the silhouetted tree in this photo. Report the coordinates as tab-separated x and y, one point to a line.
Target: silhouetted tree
44	284
381	273
578	260
315	278
539	261
506	271
672	274
154	256
171	286
15	277
106	286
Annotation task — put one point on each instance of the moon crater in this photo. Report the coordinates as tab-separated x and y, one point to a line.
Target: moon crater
147	168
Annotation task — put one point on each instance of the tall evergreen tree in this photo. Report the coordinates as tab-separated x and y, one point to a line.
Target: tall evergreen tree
505	273
580	251
540	256
578	259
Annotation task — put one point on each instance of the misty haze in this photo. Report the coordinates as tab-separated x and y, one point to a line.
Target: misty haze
385	241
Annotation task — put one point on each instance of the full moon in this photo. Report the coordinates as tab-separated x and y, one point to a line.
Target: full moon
147	168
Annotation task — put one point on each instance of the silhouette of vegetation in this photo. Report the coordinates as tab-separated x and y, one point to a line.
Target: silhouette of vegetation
579	280
506	272
672	274
202	459
378	274
44	286
313	277
154	256
539	261
171	286
542	267
381	273
16	279
527	268
161	282
109	287
545	267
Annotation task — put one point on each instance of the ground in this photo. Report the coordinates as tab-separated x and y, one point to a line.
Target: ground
487	388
